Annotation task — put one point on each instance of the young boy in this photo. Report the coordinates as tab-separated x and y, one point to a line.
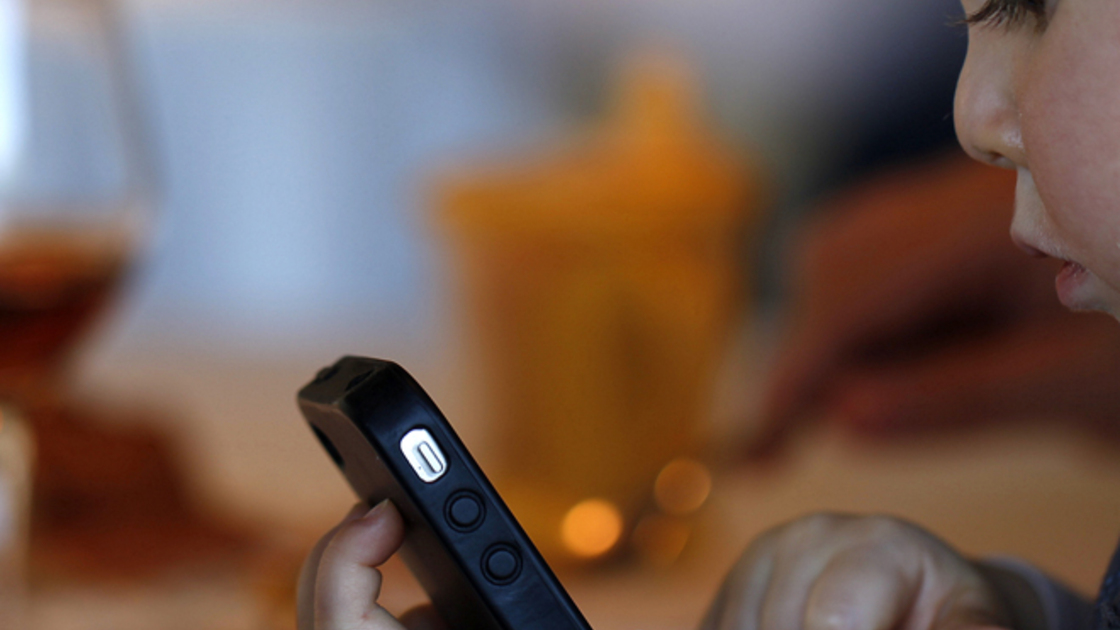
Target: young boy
1040	94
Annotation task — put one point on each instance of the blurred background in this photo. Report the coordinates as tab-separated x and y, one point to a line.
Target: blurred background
730	239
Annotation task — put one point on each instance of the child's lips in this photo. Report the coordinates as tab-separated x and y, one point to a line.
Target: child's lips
1073	280
1070	284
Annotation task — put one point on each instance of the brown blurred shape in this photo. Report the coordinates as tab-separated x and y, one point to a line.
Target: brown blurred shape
911	311
109	497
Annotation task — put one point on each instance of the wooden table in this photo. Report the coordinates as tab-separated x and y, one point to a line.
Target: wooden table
1039	492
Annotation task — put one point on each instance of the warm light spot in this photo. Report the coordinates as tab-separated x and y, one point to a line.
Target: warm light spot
660	539
682	486
591	528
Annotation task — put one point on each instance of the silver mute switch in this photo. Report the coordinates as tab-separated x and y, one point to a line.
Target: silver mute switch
424	455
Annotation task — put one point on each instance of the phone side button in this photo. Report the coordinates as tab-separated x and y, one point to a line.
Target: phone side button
465	511
501	564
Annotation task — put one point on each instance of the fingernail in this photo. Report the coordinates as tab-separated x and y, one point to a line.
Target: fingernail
378	510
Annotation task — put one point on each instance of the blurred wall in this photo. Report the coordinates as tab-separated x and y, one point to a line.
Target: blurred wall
293	137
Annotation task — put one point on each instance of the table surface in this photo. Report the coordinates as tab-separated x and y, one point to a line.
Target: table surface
1039	491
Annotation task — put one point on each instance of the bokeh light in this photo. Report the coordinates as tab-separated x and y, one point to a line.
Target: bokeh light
682	486
591	528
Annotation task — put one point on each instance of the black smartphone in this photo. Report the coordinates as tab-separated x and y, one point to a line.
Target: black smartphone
462	543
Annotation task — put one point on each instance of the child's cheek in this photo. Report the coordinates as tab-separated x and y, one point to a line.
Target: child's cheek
1069	102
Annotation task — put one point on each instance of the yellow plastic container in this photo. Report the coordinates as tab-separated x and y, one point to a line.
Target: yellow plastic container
602	280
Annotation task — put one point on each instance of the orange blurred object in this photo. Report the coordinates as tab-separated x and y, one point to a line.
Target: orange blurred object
591	528
682	487
602	279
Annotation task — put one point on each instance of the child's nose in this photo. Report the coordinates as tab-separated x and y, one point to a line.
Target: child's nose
985	112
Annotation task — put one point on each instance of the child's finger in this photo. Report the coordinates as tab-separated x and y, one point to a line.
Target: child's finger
347	582
305	591
869	589
739	602
863	588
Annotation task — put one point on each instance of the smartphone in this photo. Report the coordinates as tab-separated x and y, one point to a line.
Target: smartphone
462	543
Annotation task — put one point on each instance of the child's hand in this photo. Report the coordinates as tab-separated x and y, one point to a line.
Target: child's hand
828	572
340	583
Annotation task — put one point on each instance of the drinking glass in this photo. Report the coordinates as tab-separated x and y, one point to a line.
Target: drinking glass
75	190
74	183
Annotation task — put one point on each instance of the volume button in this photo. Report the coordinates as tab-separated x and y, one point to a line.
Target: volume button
501	564
464	511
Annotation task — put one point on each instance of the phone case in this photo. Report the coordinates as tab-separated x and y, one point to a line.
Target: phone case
462	543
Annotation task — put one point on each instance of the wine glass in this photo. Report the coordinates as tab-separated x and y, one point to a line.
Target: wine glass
75	195
75	182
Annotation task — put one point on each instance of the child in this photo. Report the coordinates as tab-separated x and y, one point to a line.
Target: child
1040	94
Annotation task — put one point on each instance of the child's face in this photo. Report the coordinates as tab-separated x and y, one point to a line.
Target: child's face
1041	94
